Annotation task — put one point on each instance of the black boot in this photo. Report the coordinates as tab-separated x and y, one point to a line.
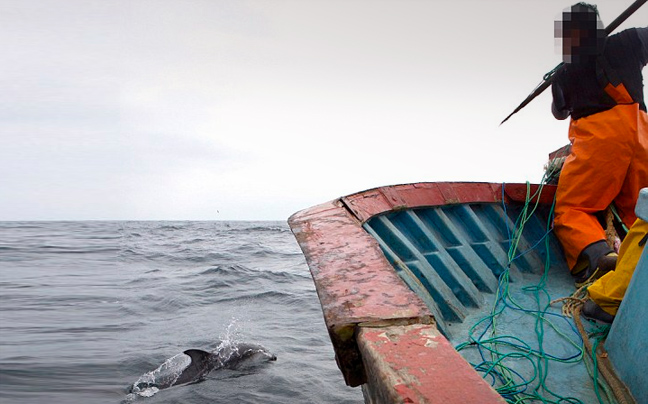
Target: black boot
601	259
593	311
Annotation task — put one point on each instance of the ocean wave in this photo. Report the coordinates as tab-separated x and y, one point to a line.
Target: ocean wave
242	274
4	286
265	295
172	254
145	281
20	225
266	229
60	249
168	301
98	320
234	269
171	227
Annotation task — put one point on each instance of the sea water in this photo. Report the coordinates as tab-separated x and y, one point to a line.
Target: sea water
87	308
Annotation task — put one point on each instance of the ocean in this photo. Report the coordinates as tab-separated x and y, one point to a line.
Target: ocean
87	308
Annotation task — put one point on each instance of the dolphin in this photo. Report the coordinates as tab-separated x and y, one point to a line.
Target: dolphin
193	365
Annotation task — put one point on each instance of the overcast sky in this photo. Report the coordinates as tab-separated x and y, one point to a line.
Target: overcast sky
246	110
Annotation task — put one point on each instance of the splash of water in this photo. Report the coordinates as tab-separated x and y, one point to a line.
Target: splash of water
165	374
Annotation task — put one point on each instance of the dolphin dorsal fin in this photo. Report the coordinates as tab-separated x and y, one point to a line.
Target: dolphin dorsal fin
198	357
197	369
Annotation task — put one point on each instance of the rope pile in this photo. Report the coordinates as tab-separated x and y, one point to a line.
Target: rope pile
502	355
498	351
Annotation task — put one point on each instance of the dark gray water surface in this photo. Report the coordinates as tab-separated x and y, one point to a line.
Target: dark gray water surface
86	308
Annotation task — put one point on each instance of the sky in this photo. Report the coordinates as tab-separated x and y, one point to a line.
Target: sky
254	110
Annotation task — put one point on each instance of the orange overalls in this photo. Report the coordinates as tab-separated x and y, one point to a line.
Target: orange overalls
608	164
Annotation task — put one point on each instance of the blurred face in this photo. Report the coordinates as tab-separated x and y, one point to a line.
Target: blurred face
578	33
571	42
577	44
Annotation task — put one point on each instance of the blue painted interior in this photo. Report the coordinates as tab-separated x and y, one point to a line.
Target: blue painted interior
457	252
452	257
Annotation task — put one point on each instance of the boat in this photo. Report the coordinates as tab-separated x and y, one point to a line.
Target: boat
458	292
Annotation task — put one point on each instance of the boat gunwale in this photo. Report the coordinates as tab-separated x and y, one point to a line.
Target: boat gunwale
366	204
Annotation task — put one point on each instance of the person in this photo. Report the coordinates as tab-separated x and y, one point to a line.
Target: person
600	85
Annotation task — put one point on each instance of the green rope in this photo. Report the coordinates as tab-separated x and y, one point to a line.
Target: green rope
618	218
511	385
598	336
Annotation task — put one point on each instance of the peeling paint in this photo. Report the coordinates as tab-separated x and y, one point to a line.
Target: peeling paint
430	343
402	367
